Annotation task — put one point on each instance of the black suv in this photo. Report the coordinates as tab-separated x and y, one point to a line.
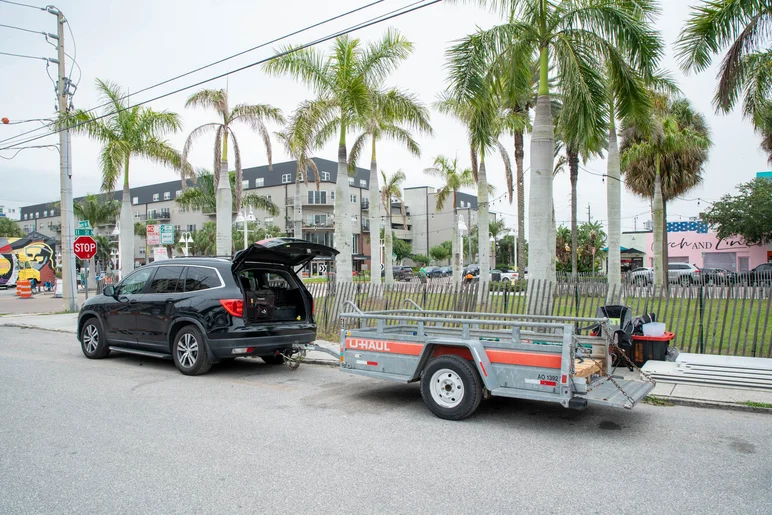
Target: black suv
199	311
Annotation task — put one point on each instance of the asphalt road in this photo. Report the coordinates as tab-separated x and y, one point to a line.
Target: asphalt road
129	435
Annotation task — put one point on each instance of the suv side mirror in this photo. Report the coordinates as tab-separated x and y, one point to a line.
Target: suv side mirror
109	291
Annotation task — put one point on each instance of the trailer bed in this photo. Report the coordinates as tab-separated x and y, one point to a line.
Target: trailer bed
459	357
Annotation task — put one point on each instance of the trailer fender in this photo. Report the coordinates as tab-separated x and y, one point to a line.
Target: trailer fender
474	352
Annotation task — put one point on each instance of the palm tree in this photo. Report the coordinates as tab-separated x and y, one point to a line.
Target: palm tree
663	159
453	180
343	82
742	28
99	210
297	141
496	228
484	125
391	189
204	196
127	132
572	36
388	113
255	116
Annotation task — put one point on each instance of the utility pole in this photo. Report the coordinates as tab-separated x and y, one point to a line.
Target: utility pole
70	285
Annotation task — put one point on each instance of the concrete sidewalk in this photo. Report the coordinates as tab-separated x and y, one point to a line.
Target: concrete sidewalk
706	396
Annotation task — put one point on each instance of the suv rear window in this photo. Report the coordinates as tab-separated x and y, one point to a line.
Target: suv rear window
200	278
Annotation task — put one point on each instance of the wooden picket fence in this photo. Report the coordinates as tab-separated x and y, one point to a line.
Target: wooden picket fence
725	319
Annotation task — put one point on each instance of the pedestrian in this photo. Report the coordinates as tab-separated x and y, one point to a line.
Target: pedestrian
422	274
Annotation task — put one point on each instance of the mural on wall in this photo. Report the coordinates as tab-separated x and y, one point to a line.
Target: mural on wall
35	249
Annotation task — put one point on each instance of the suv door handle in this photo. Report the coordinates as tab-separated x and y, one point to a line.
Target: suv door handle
170	301
133	301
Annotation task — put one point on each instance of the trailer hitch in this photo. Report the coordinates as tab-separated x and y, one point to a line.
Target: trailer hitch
299	352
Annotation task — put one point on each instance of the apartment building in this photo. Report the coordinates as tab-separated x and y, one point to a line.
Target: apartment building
10	211
425	226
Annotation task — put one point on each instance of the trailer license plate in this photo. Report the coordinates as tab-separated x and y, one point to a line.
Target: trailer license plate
547	381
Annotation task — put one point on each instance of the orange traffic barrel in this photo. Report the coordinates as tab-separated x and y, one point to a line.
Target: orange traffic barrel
24	289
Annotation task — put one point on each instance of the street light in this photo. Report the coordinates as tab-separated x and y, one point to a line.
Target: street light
186	239
117	232
244	218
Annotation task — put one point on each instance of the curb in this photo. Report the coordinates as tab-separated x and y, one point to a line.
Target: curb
730	406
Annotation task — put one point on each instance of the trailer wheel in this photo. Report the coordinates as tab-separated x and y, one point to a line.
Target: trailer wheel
451	387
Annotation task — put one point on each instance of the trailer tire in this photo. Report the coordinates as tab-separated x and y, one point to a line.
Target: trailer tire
445	376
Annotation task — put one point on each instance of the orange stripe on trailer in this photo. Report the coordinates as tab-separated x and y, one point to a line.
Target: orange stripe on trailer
365	344
527	359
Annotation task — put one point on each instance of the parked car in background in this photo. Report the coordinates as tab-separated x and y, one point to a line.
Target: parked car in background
199	311
718	276
683	273
401	273
759	276
473	269
446	271
507	274
434	272
642	276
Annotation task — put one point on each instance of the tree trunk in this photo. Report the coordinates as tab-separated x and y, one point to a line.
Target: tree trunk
614	204
519	154
541	257
483	218
343	237
660	267
573	168
374	215
297	207
455	245
387	251
126	236
224	199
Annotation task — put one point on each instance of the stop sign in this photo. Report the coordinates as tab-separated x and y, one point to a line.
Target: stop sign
85	247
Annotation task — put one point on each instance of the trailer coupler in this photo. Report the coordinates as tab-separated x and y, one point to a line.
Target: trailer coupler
299	352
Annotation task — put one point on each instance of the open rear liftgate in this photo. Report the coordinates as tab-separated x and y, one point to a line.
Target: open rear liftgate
471	355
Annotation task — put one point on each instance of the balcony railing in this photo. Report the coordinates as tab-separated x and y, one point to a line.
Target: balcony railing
163	214
365	204
319	225
366	225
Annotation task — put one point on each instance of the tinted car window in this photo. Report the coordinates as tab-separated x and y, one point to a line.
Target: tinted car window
135	282
198	278
166	280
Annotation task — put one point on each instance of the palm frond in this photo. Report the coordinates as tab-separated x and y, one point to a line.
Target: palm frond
216	99
382	57
260	202
239	187
307	65
355	151
112	160
507	171
189	142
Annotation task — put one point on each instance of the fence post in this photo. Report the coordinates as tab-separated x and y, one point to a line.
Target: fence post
700	334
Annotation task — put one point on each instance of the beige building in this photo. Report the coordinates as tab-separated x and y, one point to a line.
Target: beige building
425	225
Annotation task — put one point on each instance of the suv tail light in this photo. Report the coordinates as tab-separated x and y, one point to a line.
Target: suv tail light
233	306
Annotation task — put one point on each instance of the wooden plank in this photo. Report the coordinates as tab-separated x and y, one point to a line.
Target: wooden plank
588	367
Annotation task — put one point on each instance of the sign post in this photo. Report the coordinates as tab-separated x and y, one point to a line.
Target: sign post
85	249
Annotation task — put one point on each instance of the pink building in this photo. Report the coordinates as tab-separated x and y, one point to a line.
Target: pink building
692	242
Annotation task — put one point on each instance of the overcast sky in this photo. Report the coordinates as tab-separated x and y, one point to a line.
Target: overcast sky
141	42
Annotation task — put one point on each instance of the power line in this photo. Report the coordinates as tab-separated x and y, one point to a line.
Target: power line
23	5
21	28
26	148
373	21
275	40
27	57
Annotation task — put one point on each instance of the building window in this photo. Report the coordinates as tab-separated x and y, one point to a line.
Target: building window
268	221
320	220
301	178
355	243
191	227
182	210
137	215
45	214
25	217
245	184
259	182
156	197
135	200
326	176
37	214
350	181
362	183
167	195
141	251
332	195
353	199
317	197
286	178
178	193
52	212
177	229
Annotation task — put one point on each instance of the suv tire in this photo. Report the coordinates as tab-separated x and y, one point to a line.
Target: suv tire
92	340
685	280
189	352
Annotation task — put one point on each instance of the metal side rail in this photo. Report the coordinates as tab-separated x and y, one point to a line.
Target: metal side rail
626	395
